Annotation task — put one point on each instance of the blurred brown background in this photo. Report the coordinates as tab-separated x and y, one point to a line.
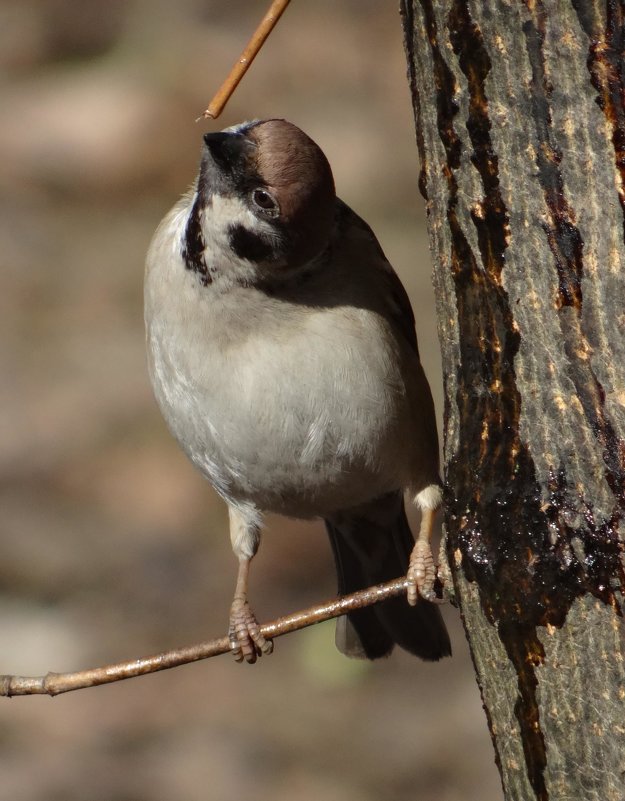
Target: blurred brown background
112	547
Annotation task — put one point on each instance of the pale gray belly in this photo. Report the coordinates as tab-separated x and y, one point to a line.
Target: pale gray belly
298	435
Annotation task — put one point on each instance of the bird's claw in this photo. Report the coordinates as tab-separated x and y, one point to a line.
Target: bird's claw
246	639
421	573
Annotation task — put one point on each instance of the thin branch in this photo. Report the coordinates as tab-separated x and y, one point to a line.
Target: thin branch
57	683
267	24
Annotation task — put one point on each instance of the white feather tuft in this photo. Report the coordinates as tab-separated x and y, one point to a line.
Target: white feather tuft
429	498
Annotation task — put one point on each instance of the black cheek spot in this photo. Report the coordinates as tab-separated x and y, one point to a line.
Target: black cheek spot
249	245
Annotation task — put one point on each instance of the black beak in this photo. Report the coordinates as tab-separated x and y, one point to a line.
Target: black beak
227	148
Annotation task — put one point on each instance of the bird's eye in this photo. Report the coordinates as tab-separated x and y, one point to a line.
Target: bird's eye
265	202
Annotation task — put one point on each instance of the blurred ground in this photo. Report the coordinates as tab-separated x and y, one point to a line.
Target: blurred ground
112	546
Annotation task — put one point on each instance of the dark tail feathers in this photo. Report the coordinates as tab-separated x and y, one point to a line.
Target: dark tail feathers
372	545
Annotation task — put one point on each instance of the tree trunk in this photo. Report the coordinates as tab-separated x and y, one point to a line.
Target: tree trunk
520	120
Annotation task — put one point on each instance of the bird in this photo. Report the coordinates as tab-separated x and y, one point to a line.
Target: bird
283	356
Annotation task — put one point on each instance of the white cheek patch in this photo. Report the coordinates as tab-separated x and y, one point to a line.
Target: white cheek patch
231	230
225	211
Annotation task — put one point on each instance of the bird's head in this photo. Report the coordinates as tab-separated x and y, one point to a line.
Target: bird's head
265	191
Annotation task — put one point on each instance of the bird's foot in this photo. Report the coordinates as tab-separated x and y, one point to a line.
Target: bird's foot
421	573
246	639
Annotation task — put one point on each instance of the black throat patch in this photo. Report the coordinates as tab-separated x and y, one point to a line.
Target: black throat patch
194	245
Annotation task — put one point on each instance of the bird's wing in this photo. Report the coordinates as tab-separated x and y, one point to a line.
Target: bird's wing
350	226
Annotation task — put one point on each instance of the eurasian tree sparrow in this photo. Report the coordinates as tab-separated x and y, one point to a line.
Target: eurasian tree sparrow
283	356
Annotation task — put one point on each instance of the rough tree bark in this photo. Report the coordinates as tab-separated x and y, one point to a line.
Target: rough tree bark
520	119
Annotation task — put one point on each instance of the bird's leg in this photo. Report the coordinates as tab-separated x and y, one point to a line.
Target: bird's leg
246	640
422	570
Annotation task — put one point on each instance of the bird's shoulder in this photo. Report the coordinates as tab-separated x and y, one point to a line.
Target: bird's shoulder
355	245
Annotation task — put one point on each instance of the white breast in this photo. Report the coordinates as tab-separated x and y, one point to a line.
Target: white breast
299	410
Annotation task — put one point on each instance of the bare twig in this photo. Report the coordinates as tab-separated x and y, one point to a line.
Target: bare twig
267	24
57	683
